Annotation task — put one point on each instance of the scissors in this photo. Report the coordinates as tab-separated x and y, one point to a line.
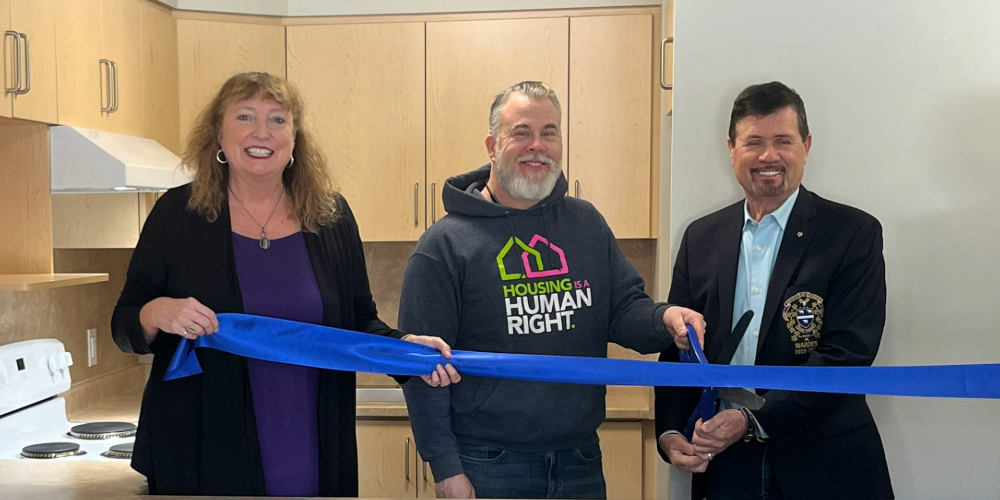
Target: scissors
708	404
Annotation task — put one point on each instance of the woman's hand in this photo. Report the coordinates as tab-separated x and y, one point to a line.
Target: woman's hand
442	375
185	317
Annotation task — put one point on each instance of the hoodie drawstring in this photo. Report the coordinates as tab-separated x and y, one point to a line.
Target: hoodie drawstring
545	226
513	235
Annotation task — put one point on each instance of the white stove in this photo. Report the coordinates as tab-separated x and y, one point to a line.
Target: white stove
33	423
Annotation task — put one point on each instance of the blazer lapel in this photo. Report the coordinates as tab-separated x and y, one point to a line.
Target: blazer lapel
729	257
798	232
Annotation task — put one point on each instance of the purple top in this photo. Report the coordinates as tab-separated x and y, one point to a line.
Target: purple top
280	283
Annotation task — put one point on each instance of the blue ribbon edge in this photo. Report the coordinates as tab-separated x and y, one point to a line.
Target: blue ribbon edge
324	347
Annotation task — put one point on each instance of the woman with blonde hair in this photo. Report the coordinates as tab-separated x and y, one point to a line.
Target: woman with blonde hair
261	231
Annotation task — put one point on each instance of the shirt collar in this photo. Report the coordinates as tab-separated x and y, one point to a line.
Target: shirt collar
780	215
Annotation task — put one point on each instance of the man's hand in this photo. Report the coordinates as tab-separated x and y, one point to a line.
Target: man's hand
442	375
722	430
455	487
681	453
676	317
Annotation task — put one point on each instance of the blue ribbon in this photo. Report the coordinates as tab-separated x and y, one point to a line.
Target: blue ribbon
335	349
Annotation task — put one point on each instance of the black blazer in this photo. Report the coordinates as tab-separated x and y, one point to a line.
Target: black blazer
198	435
830	261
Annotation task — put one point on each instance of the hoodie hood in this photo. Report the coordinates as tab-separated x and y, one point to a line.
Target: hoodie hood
461	195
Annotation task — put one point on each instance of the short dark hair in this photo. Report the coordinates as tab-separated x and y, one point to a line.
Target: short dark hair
766	98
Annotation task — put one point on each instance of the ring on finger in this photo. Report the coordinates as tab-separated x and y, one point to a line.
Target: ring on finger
189	330
709	457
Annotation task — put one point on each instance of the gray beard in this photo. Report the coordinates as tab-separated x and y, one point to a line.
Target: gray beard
520	187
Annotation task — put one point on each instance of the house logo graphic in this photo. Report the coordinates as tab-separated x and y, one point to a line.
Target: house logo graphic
531	253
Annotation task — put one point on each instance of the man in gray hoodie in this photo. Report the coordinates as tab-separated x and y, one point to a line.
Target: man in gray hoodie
518	267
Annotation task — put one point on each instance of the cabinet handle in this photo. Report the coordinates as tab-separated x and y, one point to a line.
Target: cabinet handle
425	470
433	203
107	77
416	204
663	65
406	459
576	189
17	62
27	66
114	71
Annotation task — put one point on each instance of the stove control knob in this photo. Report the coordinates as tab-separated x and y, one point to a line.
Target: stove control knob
53	362
67	359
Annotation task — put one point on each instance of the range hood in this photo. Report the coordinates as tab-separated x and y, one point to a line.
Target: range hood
85	160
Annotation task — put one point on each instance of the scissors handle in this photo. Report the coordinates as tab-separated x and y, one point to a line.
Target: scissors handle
699	354
708	402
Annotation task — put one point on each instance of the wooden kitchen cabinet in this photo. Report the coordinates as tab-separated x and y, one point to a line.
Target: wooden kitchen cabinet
468	63
100	65
122	44
389	466
386	459
622	457
8	71
425	486
160	96
34	21
209	52
24	199
363	85
610	108
81	77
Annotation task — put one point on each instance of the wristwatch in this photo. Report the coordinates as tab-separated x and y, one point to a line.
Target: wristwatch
751	432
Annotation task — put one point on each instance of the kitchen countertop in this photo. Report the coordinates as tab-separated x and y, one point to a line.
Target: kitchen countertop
622	403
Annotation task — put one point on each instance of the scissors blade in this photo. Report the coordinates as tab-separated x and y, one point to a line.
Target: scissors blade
742	397
741	326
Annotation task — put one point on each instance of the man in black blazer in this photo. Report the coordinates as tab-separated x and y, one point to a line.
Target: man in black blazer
813	273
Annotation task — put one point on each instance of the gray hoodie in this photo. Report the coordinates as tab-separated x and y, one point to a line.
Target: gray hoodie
547	280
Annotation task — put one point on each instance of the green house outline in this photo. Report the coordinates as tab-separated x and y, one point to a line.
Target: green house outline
503	253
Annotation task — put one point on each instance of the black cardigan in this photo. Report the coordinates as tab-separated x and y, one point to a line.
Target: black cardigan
198	435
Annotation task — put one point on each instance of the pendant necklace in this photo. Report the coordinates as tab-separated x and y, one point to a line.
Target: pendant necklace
264	242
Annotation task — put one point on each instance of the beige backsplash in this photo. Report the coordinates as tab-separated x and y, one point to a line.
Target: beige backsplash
67	313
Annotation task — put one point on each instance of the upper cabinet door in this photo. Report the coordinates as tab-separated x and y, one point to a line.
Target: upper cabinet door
209	52
363	87
610	105
9	70
83	90
470	62
34	20
159	77
122	46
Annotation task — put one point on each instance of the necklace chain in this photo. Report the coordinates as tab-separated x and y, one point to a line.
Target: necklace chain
264	242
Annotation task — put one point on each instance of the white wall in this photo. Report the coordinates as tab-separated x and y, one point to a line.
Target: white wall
256	7
379	7
903	99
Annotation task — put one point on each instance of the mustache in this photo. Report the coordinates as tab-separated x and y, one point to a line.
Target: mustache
537	158
768	167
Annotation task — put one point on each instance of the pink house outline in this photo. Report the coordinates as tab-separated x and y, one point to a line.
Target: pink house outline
544	274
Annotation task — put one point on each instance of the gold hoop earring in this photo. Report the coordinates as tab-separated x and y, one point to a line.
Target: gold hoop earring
219	158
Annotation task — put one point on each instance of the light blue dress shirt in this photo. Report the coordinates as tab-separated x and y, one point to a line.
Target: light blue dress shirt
758	252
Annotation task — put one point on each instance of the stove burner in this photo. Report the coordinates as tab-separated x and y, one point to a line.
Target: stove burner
103	430
119	451
51	450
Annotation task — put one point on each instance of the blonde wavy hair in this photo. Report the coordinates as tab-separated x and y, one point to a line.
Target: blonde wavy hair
307	183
